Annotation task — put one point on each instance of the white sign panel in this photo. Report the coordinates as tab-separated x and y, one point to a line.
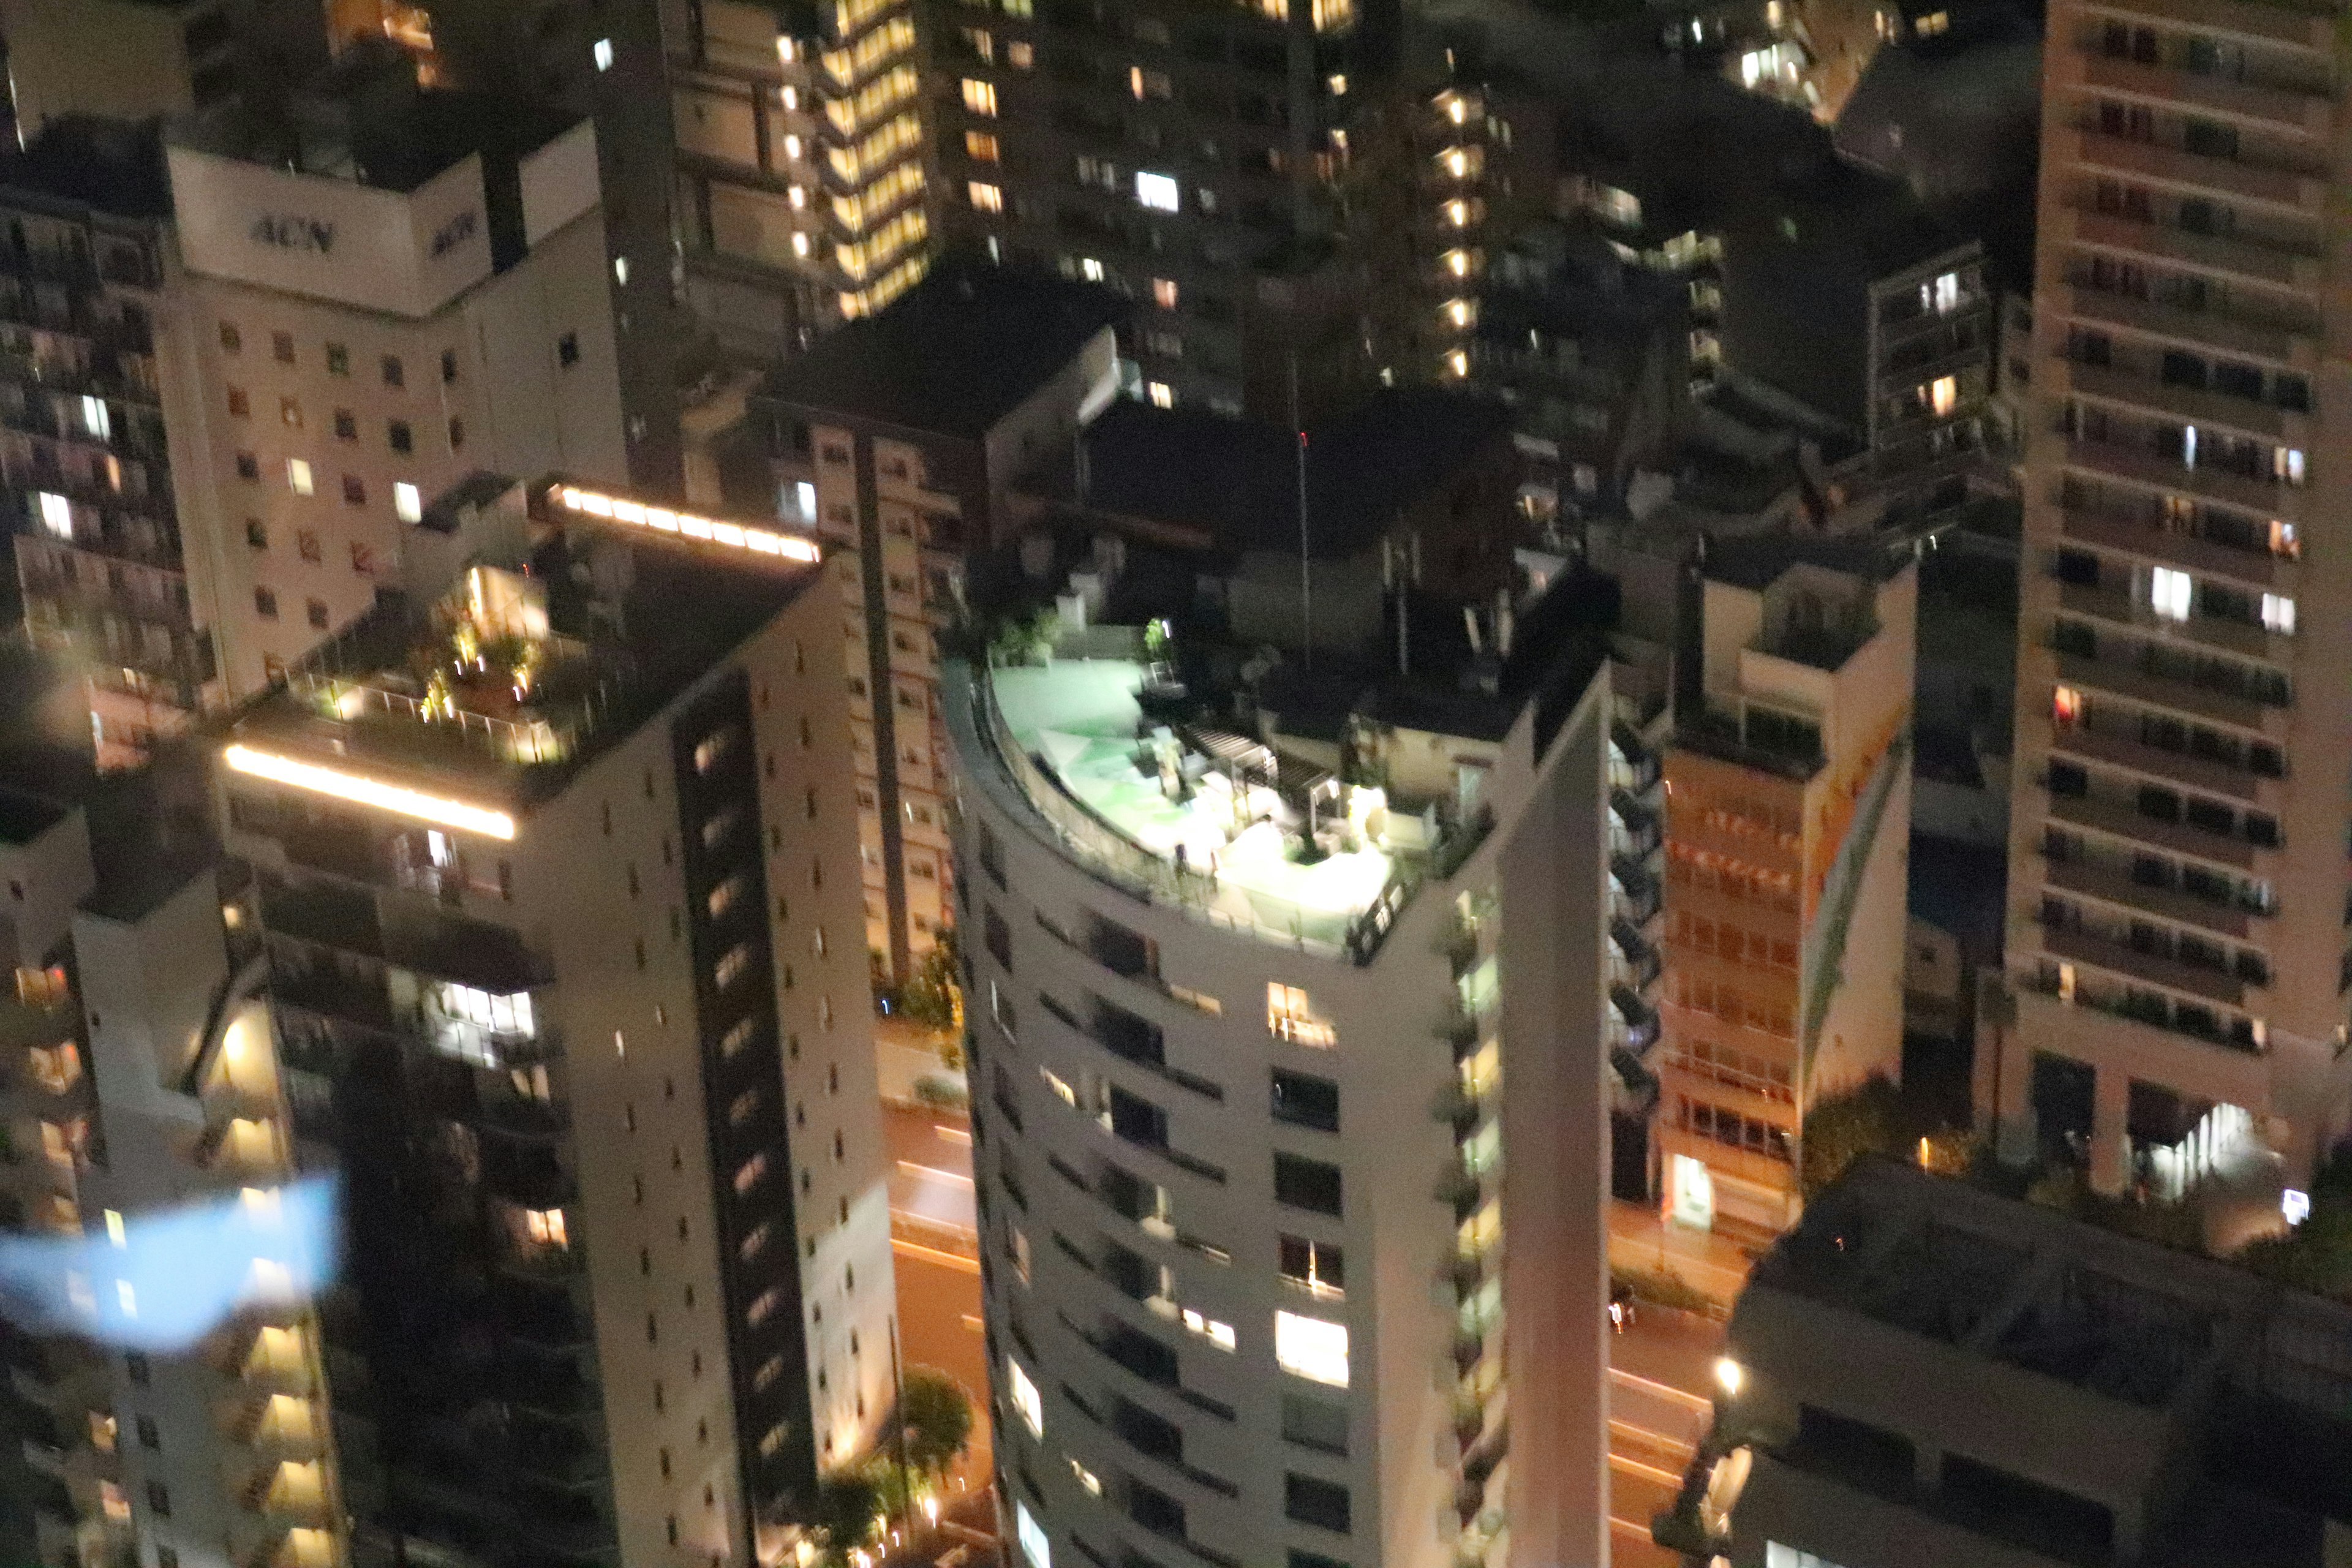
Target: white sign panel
408	253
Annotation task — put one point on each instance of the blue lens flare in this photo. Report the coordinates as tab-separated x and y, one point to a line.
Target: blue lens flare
173	1275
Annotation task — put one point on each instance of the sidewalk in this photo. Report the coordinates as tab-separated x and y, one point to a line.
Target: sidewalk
1642	1241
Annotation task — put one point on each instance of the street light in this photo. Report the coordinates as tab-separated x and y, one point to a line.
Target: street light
1728	1376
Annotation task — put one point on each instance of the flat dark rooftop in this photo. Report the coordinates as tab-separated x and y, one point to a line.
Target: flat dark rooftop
1238	482
108	165
25	817
1757	561
952	355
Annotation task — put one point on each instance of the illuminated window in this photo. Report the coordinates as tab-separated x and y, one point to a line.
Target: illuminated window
545	1227
408	501
1218	1334
985	197
798	196
800	244
1458	263
1311	1348
297	476
2066	705
1943	394
1457	363
1144	83
1943	296
621	271
57	514
2278	613
1032	1536
1163	396
2168	593
1163	293
1316	1267
1158	192
979	146
1021	53
603	54
979	97
95	419
792	148
1457	213
1289	1016
1090	269
1462	312
1024	1398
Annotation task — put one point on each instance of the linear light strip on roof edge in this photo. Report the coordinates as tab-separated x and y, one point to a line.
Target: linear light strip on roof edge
684	524
370	791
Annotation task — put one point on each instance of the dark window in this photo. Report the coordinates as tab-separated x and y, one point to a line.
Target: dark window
2012	1507
148	1437
339	360
2210	139
2079	567
448	364
1319	1266
354	491
347	426
1303	1101
567	350
1306	1185
1139	1120
248	467
265	603
1315	1423
159	1500
281	346
255	533
403	440
1316	1502
2160	805
317	611
231	340
395	374
999	937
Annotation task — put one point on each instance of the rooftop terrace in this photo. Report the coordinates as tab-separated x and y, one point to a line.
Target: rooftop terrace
1209	821
521	672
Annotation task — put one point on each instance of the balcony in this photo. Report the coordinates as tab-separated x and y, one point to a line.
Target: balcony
2122	822
2283	106
2294	343
2145	537
2119	958
2311	27
2261	262
2303	190
2190	405
2205	631
2123	676
2175	767
2113	887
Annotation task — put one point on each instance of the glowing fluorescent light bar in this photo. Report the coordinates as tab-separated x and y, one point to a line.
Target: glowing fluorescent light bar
686	524
370	791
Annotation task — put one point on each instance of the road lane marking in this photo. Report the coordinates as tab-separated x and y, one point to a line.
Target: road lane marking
1664	1390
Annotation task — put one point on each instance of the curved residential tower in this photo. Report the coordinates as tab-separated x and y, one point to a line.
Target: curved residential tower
1277	1271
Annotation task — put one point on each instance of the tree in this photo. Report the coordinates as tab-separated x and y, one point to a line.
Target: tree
847	1505
932	998
1841	1128
938	1419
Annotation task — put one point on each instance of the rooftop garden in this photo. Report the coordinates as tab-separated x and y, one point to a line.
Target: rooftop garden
485	668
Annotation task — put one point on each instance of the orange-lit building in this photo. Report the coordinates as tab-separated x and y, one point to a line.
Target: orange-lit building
1787	790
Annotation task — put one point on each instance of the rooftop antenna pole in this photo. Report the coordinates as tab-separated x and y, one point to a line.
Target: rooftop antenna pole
1306	575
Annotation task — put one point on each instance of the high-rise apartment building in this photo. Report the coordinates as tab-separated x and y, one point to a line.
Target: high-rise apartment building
1926	1372
86	461
801	166
2177	887
132	59
1788	808
578	60
555	891
1250	1053
1215	166
232	426
902	439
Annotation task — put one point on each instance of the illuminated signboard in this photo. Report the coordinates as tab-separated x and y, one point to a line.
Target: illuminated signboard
683	524
365	790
